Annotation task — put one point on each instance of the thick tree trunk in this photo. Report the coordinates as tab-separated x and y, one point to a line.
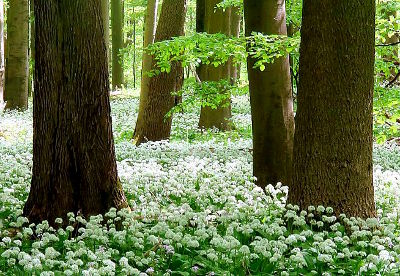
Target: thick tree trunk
117	25
216	21
74	166
17	75
148	38
2	59
152	125
333	139
270	98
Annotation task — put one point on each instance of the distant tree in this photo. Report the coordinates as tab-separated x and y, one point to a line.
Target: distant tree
270	98
31	46
333	139
17	62
117	27
216	21
105	11
148	38
2	52
154	125
74	166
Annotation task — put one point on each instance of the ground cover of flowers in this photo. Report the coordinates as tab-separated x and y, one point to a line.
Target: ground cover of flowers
195	211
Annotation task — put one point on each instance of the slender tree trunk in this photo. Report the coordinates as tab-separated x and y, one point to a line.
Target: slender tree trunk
17	75
74	166
2	58
117	25
152	124
31	47
333	139
236	16
105	13
134	51
148	38
200	15
200	28
216	21
270	98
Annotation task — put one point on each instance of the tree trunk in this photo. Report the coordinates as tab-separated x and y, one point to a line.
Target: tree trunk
117	25
74	166
216	21
134	51
105	13
17	75
236	16
200	28
270	98
31	46
200	15
2	60
333	139
152	124
148	38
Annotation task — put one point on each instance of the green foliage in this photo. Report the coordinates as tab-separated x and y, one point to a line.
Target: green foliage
212	94
265	49
200	48
387	28
224	4
386	113
217	49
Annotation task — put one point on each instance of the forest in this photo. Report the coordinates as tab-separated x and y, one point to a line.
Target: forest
199	137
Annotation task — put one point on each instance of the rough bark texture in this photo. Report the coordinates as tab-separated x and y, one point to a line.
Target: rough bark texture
17	68
74	166
333	139
216	21
155	126
148	38
270	98
117	25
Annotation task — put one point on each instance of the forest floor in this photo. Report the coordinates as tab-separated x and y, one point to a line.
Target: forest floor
195	211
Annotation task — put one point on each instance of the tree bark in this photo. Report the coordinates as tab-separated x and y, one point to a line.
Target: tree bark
117	25
236	16
2	52
31	46
216	21
74	166
333	139
200	28
148	38
105	13
270	98
152	125
17	68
